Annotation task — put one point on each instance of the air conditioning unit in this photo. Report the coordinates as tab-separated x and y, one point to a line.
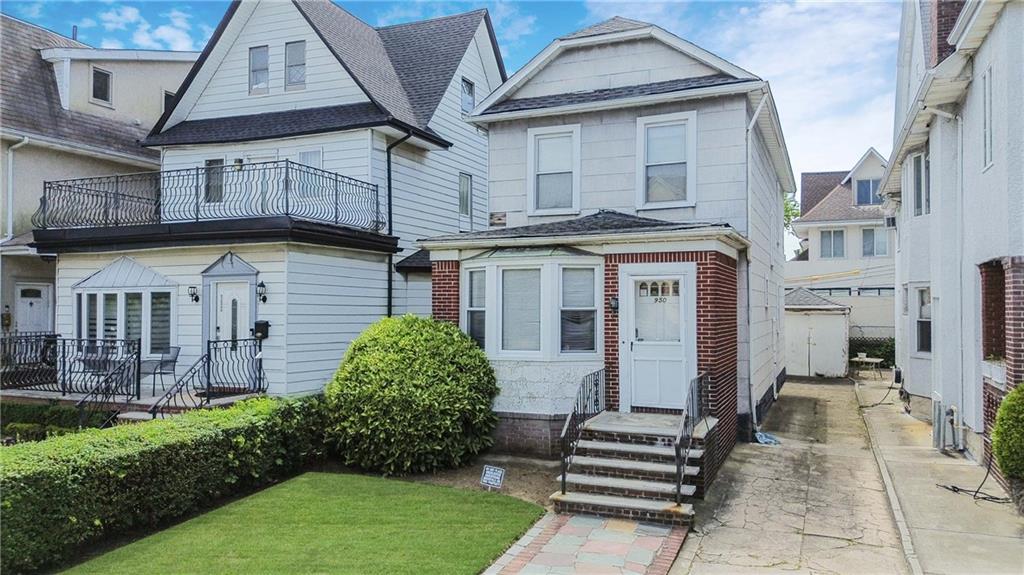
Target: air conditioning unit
890	222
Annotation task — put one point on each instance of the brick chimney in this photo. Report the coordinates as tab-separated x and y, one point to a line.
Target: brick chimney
943	16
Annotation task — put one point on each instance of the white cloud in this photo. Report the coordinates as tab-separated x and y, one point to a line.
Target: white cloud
86	23
111	44
120	17
178	19
510	24
30	10
175	38
143	38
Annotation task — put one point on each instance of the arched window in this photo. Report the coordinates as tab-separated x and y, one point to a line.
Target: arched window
643	289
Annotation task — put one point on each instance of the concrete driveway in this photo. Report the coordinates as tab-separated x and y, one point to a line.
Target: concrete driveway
814	504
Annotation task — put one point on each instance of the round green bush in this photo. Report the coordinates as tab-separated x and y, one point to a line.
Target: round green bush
1008	434
411	395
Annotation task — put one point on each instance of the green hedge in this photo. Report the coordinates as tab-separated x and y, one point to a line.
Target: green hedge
62	493
1008	434
47	415
881	347
412	395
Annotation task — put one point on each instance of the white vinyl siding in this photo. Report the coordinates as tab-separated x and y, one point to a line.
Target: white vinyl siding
833	244
665	160
553	170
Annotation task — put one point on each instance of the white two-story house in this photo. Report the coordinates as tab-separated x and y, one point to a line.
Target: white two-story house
300	157
846	250
636	193
955	185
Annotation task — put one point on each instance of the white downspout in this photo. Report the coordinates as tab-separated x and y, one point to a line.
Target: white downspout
750	379
9	232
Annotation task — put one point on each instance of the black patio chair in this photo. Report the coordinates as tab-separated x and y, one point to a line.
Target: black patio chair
159	367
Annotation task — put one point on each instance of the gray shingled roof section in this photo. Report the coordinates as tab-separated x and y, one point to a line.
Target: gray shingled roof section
270	125
30	103
609	26
602	222
814	186
839	206
419	261
802	297
426	55
568	99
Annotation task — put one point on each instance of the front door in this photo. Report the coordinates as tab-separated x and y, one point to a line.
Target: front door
230	362
656	352
231	311
32	307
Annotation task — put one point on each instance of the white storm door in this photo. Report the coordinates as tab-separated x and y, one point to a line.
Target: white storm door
231	311
657	356
33	307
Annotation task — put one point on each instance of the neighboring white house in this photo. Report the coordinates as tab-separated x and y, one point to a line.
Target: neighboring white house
637	186
304	150
955	184
846	249
69	110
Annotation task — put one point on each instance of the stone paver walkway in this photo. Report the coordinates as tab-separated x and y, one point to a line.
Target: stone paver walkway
814	504
951	533
591	545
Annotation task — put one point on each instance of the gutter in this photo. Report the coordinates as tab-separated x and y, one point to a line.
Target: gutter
9	233
730	237
391	220
84	149
746	141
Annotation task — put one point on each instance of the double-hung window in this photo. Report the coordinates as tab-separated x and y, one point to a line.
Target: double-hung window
102	86
924	320
986	118
553	170
666	145
875	242
920	176
833	244
468	96
867	192
520	309
578	311
127	313
259	70
476	307
465	194
295	65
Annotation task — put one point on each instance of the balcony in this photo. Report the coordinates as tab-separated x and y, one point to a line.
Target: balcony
230	192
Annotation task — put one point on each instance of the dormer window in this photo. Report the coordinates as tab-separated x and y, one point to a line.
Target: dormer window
295	65
468	96
102	86
867	192
259	70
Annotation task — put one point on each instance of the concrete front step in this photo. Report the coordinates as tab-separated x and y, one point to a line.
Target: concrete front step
649	510
638	451
603	485
629	468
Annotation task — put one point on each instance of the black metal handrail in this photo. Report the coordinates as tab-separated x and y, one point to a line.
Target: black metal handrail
589	402
243	190
693	412
121	381
48	362
28	359
229	367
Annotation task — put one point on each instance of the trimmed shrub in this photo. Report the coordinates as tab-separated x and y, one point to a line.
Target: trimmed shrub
62	493
1008	434
411	395
47	415
34	431
881	347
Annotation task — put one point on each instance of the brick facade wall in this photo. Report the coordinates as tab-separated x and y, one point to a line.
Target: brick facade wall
444	294
943	15
717	334
1013	321
993	309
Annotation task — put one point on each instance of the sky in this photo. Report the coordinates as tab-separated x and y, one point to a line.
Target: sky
831	65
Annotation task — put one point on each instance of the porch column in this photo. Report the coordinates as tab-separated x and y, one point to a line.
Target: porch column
444	293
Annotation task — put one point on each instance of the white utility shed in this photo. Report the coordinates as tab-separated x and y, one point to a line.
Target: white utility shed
817	328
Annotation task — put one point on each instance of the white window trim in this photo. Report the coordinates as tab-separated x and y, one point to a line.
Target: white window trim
915	316
531	176
832	242
597	308
92	72
550	307
874	248
248	71
288	87
925	204
81	330
856	184
297	153
468	215
688	118
472	84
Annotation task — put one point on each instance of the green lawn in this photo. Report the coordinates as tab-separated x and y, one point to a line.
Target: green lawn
334	523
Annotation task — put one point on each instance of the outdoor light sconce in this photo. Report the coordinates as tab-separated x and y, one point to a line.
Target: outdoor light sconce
193	292
613	303
261	292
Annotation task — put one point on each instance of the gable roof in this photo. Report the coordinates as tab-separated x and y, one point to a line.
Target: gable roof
814	186
30	101
609	26
404	70
838	206
805	298
872	152
124	272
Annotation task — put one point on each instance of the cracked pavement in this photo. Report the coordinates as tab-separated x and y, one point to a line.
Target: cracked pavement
814	504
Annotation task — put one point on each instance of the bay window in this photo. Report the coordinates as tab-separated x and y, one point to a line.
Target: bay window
520	310
476	307
666	145
578	310
128	313
553	170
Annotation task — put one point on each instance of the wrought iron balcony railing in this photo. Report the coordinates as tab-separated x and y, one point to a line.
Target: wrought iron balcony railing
216	192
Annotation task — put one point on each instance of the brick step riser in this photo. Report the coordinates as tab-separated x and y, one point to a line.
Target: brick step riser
632	514
611	454
628	473
635	439
621	492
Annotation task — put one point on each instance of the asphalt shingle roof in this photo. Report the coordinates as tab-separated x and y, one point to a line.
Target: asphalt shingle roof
609	26
419	261
838	206
814	186
803	297
602	222
30	102
567	99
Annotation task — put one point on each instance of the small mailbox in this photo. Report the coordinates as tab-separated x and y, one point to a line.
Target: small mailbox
261	329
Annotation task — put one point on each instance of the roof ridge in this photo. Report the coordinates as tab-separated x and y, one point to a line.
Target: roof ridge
434	19
48	31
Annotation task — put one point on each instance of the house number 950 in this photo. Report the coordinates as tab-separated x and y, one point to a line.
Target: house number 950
660	299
